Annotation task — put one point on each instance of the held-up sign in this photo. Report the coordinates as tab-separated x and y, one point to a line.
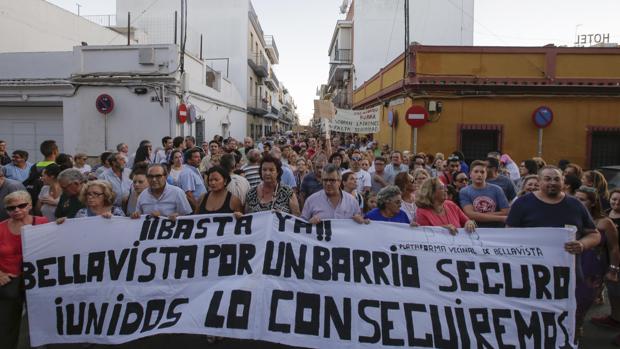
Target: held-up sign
356	121
275	277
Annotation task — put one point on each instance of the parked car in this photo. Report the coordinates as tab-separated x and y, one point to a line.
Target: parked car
612	175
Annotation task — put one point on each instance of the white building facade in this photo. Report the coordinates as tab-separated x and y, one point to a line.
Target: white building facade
377	29
53	95
234	45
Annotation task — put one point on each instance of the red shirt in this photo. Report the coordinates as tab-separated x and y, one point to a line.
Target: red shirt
11	248
453	215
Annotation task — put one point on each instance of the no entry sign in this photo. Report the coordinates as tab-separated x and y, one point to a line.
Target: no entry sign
182	113
542	117
104	103
417	116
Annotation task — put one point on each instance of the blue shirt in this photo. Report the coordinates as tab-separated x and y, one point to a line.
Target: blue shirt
506	184
489	199
310	185
191	180
288	178
13	172
375	215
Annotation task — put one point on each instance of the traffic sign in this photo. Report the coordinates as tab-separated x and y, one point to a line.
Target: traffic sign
392	118
542	117
417	116
104	103
182	113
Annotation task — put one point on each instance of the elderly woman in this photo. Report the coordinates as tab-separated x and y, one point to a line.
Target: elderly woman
18	205
98	197
218	199
388	209
270	194
435	210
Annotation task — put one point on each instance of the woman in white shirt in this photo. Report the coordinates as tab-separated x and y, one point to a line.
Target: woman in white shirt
50	192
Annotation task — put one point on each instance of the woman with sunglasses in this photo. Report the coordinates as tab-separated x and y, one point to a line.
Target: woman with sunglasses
18	205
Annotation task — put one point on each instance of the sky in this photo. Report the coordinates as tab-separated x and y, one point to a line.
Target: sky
303	28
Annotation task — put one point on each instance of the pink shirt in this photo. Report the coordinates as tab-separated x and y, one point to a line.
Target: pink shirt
453	215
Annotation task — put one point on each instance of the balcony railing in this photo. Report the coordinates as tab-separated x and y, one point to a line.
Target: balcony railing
343	56
258	106
258	63
102	20
271	48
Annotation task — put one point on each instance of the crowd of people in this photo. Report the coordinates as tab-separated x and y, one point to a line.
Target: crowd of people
346	177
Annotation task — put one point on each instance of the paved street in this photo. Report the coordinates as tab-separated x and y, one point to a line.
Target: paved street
595	338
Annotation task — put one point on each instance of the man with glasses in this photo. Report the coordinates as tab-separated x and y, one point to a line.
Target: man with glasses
362	177
331	203
71	181
7	186
161	199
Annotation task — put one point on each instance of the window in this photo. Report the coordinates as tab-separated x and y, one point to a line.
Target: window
476	141
603	146
200	131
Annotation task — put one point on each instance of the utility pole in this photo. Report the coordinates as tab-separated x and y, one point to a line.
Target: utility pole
78	6
406	68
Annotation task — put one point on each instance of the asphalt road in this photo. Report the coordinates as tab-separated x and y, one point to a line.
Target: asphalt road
594	338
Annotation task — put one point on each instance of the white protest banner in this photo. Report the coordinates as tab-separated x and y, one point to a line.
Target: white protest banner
356	121
275	277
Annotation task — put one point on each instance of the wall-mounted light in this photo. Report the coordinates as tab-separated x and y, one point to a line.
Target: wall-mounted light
140	90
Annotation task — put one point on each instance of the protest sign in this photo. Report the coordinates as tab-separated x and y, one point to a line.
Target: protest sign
274	277
356	121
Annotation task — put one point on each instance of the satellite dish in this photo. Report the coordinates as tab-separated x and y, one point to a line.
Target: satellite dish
344	6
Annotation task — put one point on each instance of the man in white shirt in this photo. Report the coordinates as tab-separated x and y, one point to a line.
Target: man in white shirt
238	186
161	198
397	165
190	179
363	177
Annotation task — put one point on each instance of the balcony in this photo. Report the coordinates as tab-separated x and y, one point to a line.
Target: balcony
339	74
342	56
272	82
258	63
272	49
258	106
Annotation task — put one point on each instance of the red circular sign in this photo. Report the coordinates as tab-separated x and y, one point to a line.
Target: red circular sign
542	117
417	116
182	113
104	103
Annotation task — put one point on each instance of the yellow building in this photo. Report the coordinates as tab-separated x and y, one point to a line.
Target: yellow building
482	99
